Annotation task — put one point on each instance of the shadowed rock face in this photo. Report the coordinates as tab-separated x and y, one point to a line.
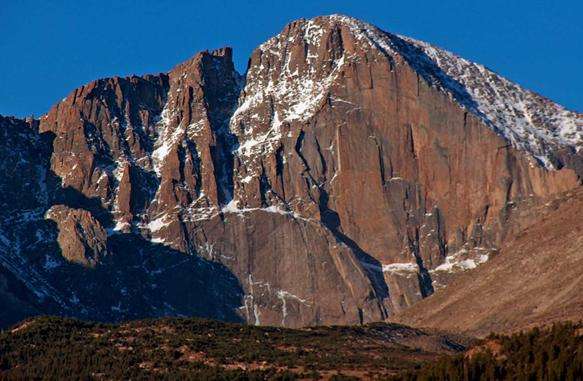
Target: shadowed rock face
342	179
56	256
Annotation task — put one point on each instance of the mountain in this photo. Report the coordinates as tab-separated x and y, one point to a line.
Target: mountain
346	176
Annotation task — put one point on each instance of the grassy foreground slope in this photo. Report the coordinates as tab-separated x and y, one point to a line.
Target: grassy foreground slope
57	348
195	349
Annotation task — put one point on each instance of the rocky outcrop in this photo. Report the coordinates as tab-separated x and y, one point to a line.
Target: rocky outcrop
342	179
81	237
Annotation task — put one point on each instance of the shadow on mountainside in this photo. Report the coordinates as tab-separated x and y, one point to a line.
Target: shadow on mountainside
371	265
135	279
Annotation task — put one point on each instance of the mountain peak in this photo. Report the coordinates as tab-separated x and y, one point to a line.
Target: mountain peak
528	121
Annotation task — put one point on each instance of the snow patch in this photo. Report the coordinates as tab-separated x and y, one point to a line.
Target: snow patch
166	139
284	296
233	207
401	268
461	262
158	224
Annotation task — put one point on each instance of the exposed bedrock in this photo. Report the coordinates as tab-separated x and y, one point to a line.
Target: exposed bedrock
340	180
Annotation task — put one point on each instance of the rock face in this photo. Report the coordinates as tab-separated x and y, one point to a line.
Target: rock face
547	255
81	237
342	179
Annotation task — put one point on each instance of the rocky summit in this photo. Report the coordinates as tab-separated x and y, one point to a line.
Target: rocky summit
349	174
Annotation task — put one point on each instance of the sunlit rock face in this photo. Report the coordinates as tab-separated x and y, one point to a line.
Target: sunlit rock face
347	175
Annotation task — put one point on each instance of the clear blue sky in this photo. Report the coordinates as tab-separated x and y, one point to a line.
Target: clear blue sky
48	48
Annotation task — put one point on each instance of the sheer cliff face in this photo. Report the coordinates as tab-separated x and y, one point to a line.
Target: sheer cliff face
342	179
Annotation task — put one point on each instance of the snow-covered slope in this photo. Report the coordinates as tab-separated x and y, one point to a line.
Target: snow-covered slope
294	92
527	120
